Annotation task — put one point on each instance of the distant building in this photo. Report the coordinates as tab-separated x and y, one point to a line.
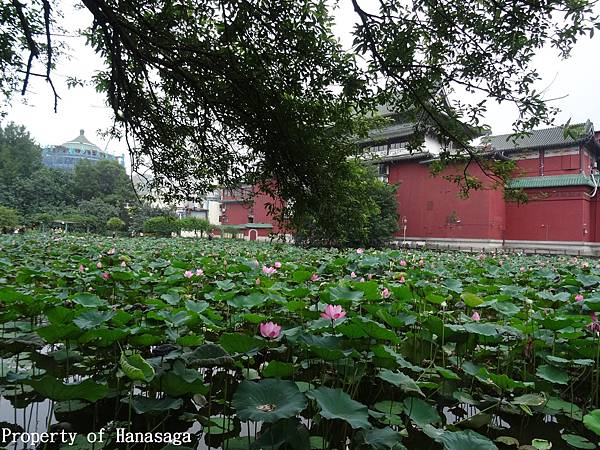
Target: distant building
247	210
207	208
67	155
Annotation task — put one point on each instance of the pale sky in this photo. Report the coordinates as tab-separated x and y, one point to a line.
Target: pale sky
576	79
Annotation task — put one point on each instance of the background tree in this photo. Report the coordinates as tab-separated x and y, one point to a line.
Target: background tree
9	219
20	156
360	212
43	188
140	213
195	224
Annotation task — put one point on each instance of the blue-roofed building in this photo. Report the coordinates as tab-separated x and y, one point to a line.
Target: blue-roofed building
67	155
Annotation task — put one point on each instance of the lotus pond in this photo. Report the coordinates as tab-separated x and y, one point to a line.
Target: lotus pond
228	344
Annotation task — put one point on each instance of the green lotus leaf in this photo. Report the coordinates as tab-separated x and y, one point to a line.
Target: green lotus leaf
389	407
285	431
240	343
530	400
91	319
208	355
552	374
136	367
468	439
278	369
268	400
471	300
541	444
381	438
421	412
51	388
578	441
406	383
483	329
336	404
143	405
592	421
454	285
88	300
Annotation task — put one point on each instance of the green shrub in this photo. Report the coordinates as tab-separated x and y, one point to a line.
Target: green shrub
195	224
161	225
115	224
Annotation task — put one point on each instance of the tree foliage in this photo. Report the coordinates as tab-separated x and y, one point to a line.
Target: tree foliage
361	213
195	224
162	226
20	156
9	219
115	224
261	91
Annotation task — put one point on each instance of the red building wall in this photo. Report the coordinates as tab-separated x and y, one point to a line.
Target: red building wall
554	214
433	208
236	211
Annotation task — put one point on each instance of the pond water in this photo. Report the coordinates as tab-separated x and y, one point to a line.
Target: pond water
40	416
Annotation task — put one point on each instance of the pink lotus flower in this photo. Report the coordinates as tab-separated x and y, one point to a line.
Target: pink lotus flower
99	265
370	276
105	275
360	251
188	274
594	326
522	269
257	282
123	264
403	263
385	293
314	277
476	317
111	251
362	279
199	272
401	280
81	268
277	265
333	312
353	275
268	271
270	330
579	298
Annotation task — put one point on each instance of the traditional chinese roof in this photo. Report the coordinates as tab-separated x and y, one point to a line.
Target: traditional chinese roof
82	143
541	139
552	181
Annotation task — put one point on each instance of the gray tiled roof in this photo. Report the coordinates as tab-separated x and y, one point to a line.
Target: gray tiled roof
395	130
549	137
